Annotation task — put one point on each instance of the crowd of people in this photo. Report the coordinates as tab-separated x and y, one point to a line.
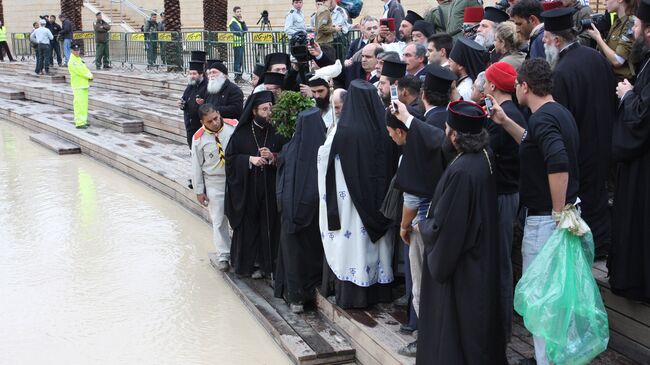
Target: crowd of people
436	137
436	142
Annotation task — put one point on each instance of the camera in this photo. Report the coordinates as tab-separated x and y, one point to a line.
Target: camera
298	47
470	30
601	21
264	18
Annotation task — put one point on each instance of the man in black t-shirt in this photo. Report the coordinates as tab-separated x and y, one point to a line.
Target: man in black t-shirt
548	153
500	80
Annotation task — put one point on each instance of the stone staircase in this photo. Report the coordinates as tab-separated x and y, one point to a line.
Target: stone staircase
113	12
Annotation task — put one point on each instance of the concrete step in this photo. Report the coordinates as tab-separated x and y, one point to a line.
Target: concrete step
10	94
115	121
55	143
308	338
170	99
158	119
52	78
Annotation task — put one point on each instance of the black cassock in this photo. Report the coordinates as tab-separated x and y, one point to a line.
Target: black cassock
300	255
460	320
592	101
191	109
250	198
229	101
629	271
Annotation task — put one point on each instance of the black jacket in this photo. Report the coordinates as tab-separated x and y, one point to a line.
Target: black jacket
229	101
349	73
355	46
54	28
66	30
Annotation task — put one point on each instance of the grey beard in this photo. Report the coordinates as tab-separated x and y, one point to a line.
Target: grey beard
194	82
214	86
484	41
552	55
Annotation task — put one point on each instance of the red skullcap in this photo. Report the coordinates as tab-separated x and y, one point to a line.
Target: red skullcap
550	5
503	76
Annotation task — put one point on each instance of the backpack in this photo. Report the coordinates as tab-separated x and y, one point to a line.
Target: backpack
353	7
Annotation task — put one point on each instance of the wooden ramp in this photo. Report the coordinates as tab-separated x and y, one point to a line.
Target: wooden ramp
55	143
307	338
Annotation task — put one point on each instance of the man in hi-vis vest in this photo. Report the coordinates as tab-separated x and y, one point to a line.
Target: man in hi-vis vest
80	77
237	26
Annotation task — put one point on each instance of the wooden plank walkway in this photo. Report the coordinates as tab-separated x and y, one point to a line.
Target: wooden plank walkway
307	338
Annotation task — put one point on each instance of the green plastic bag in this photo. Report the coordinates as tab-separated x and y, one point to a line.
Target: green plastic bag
558	297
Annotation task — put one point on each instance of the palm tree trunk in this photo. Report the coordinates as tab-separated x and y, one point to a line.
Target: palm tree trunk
2	13
215	18
174	49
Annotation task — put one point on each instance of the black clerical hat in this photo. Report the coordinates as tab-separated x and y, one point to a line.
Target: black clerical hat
643	13
197	56
496	15
276	58
273	78
424	27
218	64
317	81
394	70
197	66
558	19
259	69
470	55
393	122
438	78
262	97
412	17
466	117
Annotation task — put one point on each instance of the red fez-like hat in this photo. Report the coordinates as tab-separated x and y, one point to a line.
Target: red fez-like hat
473	14
502	75
550	5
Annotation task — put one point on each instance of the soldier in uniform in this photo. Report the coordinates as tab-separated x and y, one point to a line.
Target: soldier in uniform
209	175
295	19
618	44
439	16
324	26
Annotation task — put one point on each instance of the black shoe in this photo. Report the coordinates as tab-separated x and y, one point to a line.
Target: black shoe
85	126
189	185
107	67
402	301
529	361
405	328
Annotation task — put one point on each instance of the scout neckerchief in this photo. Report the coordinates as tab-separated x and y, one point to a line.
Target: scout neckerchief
222	156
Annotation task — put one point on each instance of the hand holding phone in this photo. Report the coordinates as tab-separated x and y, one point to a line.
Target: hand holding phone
394	95
489	106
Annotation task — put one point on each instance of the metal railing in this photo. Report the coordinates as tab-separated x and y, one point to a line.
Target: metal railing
129	49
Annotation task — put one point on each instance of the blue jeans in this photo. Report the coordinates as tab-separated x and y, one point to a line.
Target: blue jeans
537	231
239	60
66	49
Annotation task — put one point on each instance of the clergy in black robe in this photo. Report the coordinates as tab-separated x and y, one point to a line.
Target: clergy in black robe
300	255
592	101
367	159
195	89
226	97
251	205
629	271
436	94
460	321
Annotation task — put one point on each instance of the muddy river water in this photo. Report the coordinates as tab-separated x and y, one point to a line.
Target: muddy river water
96	268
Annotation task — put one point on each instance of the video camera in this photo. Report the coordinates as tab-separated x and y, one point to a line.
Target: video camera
601	21
469	31
264	18
298	47
502	5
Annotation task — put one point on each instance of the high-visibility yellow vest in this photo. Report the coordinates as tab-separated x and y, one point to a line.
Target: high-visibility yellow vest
238	40
79	73
3	34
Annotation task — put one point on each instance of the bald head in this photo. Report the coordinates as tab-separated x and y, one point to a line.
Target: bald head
369	56
338	99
